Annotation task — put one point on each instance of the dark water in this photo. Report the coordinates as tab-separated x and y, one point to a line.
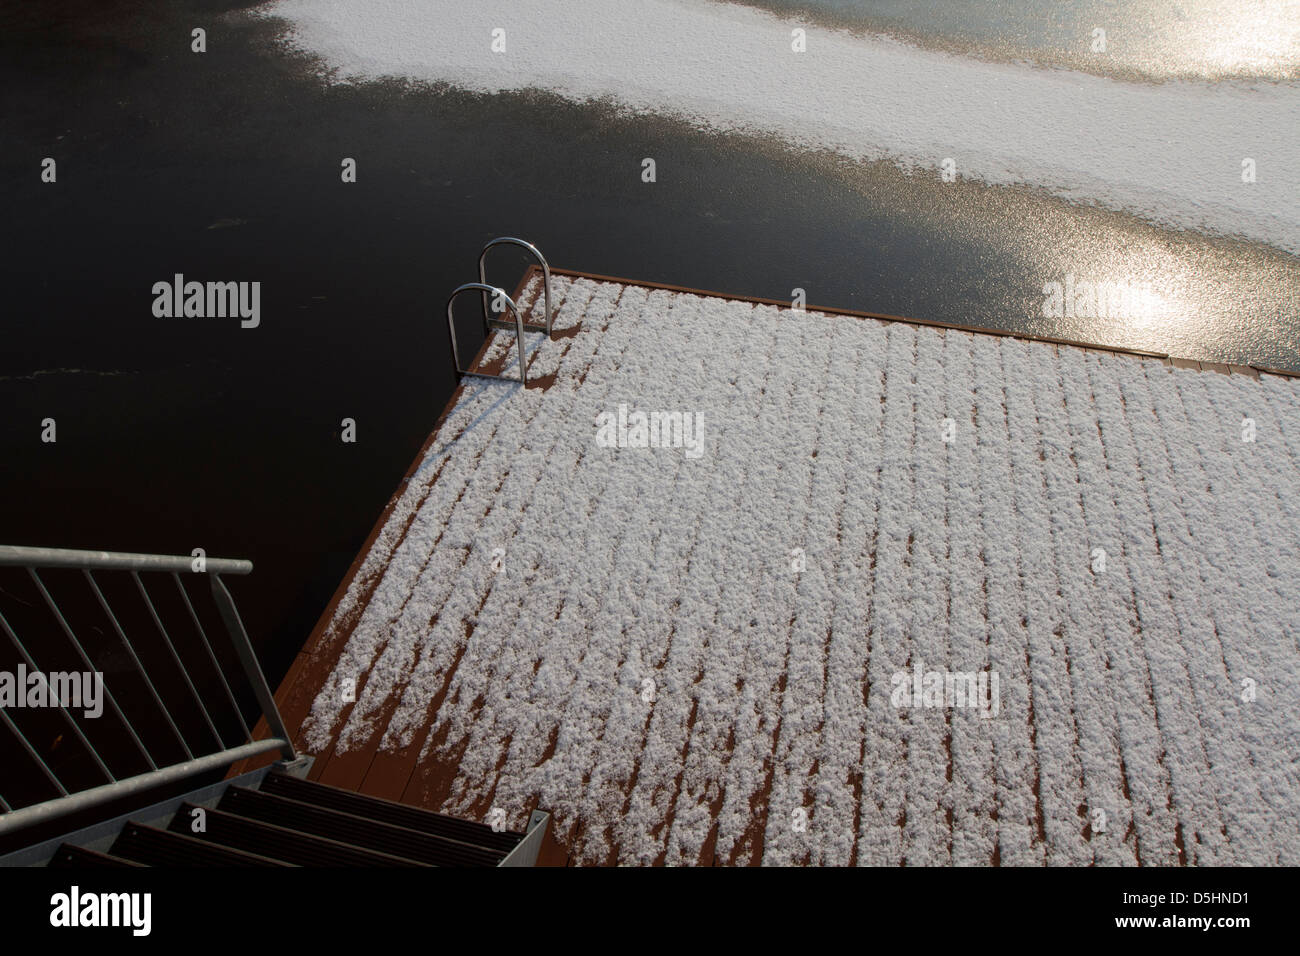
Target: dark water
182	433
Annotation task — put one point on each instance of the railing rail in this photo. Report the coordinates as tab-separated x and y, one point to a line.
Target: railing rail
210	758
519	331
546	276
117	560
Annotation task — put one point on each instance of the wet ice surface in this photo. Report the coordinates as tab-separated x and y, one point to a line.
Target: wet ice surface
1193	38
1171	153
1151	686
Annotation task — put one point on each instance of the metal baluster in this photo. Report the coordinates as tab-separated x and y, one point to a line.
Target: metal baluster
49	601
185	674
31	662
230	694
103	603
35	756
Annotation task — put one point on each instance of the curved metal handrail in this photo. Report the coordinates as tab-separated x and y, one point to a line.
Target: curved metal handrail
519	327
546	273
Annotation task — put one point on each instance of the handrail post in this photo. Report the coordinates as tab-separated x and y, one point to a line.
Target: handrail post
546	274
519	330
252	669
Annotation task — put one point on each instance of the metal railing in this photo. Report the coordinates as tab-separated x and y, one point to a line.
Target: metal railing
519	331
546	280
115	787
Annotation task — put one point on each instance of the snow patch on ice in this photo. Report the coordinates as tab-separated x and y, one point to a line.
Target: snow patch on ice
1169	152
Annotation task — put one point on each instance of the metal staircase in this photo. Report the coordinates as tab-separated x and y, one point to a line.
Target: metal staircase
284	820
170	717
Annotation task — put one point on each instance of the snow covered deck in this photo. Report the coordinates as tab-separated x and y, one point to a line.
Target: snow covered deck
708	653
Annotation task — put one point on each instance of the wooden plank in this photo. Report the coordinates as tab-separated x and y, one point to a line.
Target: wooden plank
1280	372
349	769
313	664
399	775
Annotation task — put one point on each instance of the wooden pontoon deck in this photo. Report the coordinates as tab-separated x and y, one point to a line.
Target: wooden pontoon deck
694	659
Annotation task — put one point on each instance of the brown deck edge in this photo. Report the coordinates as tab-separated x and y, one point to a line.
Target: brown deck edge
304	656
932	323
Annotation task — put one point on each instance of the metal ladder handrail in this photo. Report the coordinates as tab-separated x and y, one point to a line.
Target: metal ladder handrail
13	819
546	277
519	329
